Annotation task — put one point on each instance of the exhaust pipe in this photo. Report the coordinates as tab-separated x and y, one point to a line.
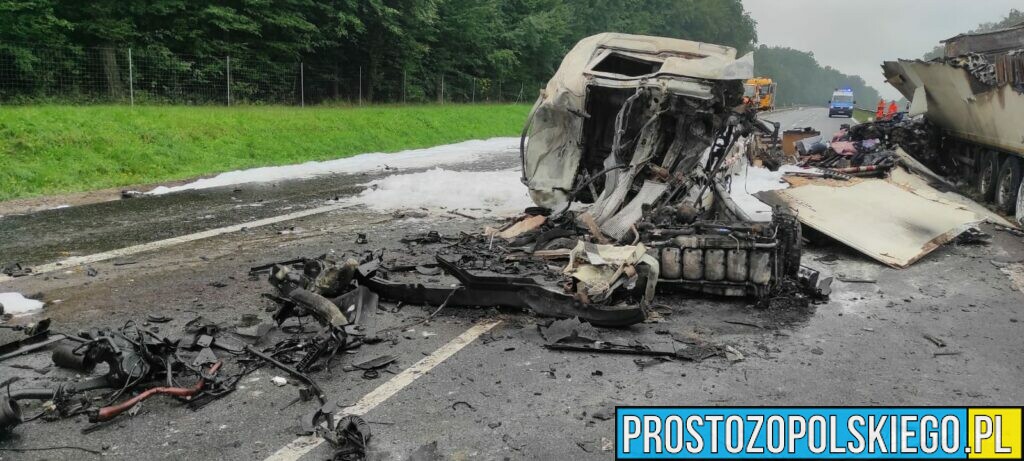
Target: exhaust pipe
65	357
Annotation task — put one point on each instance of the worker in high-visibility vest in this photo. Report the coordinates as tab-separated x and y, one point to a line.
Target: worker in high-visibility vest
893	109
880	113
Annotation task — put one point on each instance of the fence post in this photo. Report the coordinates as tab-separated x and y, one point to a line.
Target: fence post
405	81
442	89
131	80
302	84
473	97
229	79
360	85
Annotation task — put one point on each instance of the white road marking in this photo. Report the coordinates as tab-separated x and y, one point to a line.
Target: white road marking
302	445
80	260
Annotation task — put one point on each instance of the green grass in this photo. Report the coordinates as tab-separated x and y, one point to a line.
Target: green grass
861	115
58	149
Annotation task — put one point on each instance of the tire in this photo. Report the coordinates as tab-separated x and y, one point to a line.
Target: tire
988	169
1020	205
1007	185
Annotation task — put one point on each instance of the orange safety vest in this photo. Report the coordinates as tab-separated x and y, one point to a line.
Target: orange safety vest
880	113
893	108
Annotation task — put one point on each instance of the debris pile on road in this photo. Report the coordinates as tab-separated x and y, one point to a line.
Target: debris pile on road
865	190
206	362
638	206
853	152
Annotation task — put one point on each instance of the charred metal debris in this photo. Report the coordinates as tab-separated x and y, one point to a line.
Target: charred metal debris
865	150
205	362
627	163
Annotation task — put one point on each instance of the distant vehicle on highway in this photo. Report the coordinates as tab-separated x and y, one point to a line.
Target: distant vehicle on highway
841	103
759	93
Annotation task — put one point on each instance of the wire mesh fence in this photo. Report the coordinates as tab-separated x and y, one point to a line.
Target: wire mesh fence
112	75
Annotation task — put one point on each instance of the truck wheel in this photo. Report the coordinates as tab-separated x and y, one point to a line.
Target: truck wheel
988	170
1020	205
1007	185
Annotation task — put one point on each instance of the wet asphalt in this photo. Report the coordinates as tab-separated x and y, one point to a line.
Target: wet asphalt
504	396
51	235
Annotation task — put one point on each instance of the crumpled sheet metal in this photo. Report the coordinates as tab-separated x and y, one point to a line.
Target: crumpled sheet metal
619	225
553	151
919	178
600	267
986	115
893	224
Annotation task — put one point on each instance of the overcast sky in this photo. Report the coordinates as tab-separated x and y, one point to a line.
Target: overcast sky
855	36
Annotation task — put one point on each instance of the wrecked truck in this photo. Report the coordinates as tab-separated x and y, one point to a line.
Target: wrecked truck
631	138
626	154
974	96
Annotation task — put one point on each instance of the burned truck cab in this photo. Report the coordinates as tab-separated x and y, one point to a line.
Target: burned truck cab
631	138
613	91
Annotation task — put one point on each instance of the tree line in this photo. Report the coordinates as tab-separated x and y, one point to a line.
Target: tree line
398	46
803	81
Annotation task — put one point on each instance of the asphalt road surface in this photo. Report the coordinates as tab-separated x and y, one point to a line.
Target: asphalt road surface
479	383
816	117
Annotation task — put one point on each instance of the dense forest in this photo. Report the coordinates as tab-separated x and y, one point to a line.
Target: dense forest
803	81
386	50
279	51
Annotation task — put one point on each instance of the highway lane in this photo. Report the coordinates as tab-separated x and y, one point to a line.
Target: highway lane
499	394
816	117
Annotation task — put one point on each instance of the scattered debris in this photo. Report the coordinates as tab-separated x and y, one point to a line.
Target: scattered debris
613	348
973	236
847	279
15	270
936	341
371	367
153	318
733	355
569	331
746	324
349	438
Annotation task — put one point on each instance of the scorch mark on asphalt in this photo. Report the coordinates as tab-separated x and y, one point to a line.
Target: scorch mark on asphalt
302	445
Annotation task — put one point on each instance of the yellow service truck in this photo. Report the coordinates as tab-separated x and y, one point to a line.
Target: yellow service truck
759	93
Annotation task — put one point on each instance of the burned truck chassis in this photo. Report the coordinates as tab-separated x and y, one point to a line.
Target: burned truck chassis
668	133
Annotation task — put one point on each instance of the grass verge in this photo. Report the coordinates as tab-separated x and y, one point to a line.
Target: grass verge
862	116
59	149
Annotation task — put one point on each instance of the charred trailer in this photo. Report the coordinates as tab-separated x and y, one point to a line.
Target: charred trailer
974	95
